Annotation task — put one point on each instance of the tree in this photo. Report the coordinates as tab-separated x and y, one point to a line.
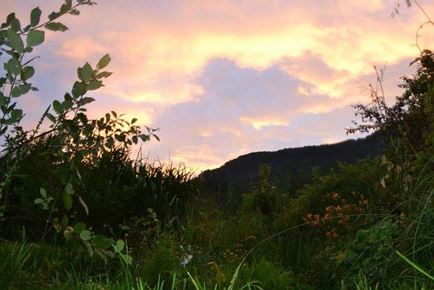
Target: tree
410	118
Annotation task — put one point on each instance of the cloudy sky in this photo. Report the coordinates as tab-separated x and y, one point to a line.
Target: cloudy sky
221	78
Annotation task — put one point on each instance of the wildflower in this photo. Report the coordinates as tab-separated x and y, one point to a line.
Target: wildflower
186	260
187	255
332	234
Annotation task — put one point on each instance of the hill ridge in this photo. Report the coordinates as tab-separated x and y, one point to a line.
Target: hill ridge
295	164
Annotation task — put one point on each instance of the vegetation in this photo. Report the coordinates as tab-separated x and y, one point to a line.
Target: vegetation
77	212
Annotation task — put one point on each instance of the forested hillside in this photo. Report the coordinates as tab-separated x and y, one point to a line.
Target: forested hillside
292	167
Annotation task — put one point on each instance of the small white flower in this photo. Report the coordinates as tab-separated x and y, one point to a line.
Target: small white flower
187	255
185	260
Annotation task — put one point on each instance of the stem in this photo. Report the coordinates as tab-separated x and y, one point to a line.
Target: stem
430	21
6	181
58	16
47	221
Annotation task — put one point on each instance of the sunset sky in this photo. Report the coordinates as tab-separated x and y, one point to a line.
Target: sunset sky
221	78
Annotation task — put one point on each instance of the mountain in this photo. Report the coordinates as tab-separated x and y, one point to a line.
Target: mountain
291	167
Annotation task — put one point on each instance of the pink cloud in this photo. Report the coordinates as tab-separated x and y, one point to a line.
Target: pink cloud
290	68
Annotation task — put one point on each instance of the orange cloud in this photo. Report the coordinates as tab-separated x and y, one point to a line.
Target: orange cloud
262	121
81	48
156	60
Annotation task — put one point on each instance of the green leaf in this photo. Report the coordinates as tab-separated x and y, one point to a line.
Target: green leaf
125	228
53	15
74	12
67	97
85	100
27	73
13	66
9	121
85	73
135	139
51	118
20	90
9	19
78	228
78	90
104	74
35	38
85	235
58	107
104	61
2	99
43	192
15	41
144	137
69	189
68	103
119	246
94	85
15	25
83	118
120	137
56	26
28	49
67	201
39	201
16	114
2	131
35	16
110	142
66	7
101	242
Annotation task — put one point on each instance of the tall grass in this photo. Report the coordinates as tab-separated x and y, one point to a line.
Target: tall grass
14	259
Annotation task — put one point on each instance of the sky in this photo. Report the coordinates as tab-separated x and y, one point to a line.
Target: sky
222	78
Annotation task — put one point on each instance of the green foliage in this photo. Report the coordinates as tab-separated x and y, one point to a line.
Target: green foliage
264	199
371	252
159	260
35	38
267	275
14	259
72	144
415	266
